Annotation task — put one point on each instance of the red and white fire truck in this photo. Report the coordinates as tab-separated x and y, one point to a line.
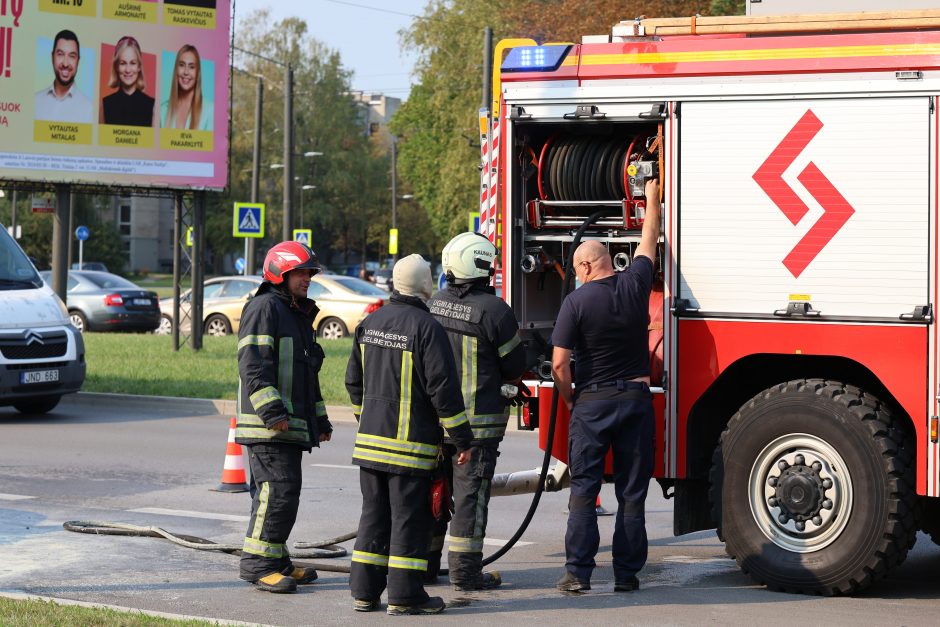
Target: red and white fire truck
793	331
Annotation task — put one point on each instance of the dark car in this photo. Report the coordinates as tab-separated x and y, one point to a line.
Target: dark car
100	301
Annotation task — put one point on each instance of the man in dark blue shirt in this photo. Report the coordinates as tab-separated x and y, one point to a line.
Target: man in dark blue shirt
604	324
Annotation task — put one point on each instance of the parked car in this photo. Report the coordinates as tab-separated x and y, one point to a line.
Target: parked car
97	266
101	301
344	301
223	299
383	278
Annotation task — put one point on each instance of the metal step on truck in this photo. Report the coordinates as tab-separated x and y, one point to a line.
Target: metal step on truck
792	330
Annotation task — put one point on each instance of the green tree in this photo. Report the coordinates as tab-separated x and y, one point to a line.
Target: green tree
350	176
438	126
727	7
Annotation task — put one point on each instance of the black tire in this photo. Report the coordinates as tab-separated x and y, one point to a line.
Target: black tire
332	329
78	320
853	490
37	405
217	325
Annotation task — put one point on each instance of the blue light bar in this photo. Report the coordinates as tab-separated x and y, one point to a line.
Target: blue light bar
535	58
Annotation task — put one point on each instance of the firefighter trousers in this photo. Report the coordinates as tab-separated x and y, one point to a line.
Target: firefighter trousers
275	482
470	486
391	546
627	427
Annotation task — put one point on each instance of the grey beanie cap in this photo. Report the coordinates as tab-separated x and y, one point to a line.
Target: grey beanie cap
412	276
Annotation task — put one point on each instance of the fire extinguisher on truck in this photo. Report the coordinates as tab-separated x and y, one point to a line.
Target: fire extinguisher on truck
792	337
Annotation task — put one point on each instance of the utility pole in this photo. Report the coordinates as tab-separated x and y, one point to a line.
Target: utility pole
395	192
288	140
288	151
255	170
60	240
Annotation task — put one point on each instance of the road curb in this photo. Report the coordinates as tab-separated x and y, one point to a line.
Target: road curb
203	406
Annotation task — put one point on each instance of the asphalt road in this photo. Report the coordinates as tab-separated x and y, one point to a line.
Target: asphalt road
153	463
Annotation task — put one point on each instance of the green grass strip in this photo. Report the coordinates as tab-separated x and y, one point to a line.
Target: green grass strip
146	364
36	613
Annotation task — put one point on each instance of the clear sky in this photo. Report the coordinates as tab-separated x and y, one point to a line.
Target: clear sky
365	32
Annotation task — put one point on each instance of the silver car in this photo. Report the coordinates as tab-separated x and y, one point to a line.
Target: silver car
101	301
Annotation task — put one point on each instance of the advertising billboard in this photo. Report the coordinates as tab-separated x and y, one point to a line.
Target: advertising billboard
115	92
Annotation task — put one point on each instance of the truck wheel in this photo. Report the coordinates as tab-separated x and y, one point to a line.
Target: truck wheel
37	405
813	488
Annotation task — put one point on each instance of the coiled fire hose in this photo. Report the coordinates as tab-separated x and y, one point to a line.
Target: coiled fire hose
327	549
321	549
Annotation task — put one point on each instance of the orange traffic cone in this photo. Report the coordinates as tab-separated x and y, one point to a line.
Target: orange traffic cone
233	471
600	508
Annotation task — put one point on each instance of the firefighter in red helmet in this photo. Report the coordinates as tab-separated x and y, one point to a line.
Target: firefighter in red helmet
280	410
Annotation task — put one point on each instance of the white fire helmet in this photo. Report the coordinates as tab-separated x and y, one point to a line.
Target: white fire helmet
469	256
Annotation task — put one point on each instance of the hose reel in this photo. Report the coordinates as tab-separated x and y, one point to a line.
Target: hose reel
577	174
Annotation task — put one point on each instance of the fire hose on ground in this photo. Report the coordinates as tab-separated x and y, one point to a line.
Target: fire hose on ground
328	549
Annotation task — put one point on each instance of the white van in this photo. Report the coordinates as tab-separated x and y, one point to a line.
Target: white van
42	356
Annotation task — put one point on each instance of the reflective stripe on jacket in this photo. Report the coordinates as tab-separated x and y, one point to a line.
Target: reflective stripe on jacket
278	365
484	337
402	382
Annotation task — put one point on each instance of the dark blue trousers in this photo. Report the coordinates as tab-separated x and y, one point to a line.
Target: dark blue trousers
626	426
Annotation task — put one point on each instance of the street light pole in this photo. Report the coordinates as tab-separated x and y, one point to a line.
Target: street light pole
395	194
288	151
255	171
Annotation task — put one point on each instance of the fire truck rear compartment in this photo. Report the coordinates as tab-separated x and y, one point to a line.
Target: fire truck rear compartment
561	174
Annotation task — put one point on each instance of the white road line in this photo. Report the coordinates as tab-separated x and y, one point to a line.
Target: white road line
189	514
14	497
688	559
334	466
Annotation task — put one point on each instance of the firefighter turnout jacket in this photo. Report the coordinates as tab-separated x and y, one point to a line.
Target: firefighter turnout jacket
484	337
402	382
278	363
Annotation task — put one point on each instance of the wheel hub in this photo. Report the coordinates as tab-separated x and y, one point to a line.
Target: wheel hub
800	492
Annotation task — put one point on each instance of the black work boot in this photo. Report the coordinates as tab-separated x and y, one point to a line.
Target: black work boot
627	585
276	582
570	583
434	605
485	581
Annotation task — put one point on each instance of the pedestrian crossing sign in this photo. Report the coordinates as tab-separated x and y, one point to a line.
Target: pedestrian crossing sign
304	236
473	222
248	220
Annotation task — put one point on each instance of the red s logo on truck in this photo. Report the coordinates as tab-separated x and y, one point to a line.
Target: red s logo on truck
836	209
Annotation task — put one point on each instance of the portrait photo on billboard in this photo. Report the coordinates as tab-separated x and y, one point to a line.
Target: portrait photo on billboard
64	79
128	82
123	93
187	86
